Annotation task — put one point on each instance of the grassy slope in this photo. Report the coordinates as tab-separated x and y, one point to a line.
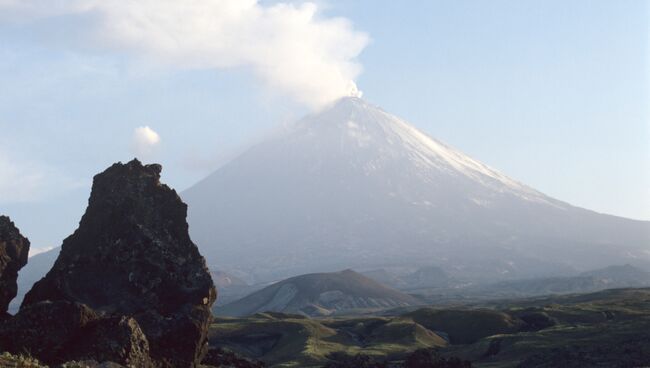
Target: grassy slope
295	341
606	326
466	326
593	325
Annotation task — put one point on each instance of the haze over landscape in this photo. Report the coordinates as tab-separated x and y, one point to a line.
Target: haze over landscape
346	184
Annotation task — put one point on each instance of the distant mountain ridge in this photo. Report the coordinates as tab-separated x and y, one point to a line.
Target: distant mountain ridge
35	269
621	276
319	294
422	277
353	186
612	277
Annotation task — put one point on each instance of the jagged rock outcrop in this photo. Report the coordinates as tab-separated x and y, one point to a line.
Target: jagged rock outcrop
132	263
42	329
14	250
62	331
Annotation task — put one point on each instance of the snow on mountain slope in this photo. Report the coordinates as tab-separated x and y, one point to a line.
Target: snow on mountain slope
370	127
354	186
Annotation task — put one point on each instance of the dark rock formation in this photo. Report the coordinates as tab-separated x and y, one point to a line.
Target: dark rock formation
220	358
14	249
430	358
61	331
357	361
92	364
132	257
113	339
41	330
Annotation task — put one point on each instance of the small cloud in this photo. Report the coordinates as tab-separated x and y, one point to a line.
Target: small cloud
144	142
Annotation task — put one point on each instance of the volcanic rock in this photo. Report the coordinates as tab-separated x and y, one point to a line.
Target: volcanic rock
63	331
42	329
132	256
113	339
14	249
220	358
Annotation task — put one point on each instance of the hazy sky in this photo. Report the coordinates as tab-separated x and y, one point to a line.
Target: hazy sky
552	93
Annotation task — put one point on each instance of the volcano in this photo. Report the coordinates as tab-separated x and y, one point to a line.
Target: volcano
353	186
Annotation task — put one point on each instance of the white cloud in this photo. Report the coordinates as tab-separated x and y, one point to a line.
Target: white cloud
144	141
26	181
291	47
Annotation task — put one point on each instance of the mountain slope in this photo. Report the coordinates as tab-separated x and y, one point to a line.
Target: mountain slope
613	277
354	186
624	276
319	294
37	266
430	277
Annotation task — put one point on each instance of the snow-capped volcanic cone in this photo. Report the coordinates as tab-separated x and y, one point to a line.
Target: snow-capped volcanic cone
354	186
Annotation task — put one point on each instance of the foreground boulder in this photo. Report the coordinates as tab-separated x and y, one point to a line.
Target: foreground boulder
14	249
132	263
113	339
61	331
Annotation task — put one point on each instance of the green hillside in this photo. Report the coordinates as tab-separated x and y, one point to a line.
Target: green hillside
605	329
295	341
